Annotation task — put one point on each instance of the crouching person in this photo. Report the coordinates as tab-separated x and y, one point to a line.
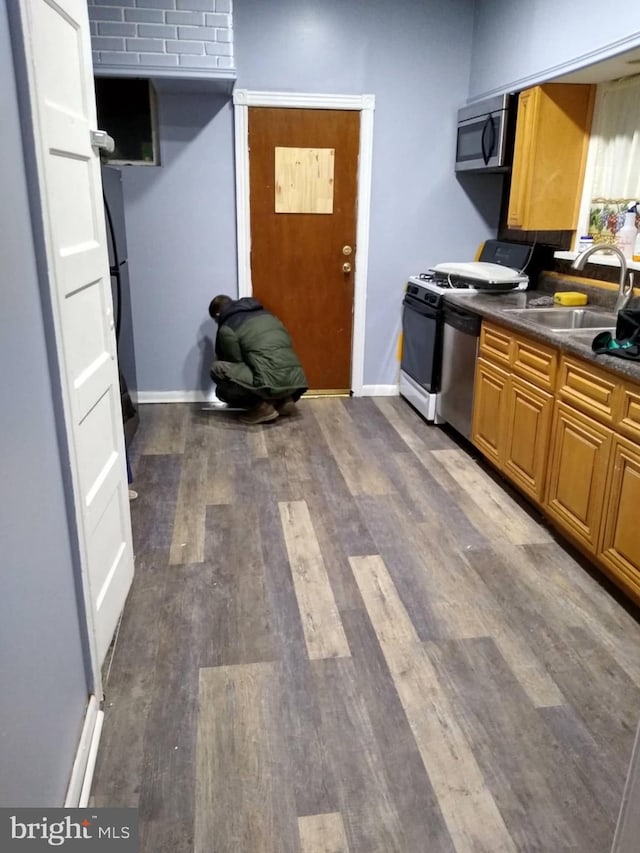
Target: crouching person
255	367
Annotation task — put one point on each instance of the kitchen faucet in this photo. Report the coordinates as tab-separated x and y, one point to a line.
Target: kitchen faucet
626	290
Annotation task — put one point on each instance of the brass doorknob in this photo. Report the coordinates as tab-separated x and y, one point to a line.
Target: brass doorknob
346	250
346	267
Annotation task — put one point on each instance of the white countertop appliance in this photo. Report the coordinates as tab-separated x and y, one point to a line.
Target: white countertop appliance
478	275
500	268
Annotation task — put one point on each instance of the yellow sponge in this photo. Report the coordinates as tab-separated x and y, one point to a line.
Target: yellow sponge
570	297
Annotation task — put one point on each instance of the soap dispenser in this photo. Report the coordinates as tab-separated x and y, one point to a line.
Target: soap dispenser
626	236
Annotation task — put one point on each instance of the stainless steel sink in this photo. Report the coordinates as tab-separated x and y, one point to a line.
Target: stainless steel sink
565	319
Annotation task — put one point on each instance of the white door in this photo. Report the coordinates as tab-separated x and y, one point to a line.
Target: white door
56	43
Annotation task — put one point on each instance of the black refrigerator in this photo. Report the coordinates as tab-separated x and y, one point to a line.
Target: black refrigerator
120	289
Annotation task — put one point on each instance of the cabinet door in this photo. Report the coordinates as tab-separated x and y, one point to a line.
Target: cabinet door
578	473
552	137
620	549
489	401
522	155
526	436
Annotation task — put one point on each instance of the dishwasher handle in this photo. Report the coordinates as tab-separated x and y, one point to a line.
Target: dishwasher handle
462	320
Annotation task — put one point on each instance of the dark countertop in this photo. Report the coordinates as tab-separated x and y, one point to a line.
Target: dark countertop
578	342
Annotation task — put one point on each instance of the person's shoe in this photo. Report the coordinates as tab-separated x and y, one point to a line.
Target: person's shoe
263	413
286	406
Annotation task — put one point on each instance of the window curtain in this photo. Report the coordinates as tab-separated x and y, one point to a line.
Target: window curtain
616	174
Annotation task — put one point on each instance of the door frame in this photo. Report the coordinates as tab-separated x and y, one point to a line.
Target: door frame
365	105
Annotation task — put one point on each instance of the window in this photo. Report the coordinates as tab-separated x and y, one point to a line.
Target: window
126	110
612	183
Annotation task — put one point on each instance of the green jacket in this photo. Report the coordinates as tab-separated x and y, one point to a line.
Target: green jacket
259	349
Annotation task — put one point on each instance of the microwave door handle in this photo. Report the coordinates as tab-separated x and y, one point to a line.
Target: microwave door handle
487	149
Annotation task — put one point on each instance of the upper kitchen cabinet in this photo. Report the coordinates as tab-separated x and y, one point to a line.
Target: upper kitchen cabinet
552	137
188	48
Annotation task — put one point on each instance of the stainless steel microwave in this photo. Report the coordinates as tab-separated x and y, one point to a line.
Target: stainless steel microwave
485	138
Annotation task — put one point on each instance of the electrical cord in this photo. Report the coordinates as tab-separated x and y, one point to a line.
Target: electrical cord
115	269
535	240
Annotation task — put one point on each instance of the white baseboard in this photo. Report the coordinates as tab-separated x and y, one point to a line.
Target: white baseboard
202	397
84	763
379	391
91	762
175	396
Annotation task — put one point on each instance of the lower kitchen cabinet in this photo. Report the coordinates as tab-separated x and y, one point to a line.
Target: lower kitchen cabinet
526	435
511	416
567	433
620	548
489	405
629	422
578	474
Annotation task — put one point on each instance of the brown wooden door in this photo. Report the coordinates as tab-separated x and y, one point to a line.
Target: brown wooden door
297	255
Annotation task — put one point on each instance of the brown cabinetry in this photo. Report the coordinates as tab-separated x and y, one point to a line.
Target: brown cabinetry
589	389
629	424
577	474
526	435
489	393
512	409
552	137
534	361
620	547
567	433
495	344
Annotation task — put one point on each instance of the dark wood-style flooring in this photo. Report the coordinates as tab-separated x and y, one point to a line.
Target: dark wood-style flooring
345	635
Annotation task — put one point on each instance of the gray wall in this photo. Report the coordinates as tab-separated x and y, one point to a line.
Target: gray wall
516	45
414	56
43	688
421	59
181	240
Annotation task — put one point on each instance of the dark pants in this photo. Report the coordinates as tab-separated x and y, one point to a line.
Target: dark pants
235	395
230	392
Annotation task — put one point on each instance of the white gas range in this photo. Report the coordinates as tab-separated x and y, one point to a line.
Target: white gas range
426	320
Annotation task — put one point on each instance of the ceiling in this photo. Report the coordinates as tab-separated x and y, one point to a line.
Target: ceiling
623	65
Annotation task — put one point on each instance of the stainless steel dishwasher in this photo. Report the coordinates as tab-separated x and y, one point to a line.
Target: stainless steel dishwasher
459	353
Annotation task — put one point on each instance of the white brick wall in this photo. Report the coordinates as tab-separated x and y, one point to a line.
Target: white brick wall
152	34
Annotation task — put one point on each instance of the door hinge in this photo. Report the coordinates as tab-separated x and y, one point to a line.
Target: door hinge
101	139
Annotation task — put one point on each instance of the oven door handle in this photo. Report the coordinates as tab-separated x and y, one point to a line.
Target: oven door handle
411	304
